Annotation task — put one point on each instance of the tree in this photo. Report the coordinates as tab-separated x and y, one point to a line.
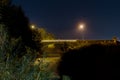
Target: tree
41	34
45	35
17	23
5	2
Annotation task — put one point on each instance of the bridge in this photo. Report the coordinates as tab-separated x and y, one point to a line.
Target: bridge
58	46
58	40
113	41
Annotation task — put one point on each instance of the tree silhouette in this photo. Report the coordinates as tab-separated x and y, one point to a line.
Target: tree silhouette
5	2
17	23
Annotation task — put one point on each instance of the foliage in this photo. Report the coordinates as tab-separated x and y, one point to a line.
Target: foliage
12	68
41	34
45	35
96	58
14	64
5	2
16	22
23	68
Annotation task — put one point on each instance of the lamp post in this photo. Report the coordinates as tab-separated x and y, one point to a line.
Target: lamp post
81	28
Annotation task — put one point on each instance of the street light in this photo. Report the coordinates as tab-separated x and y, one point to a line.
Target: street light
32	26
81	28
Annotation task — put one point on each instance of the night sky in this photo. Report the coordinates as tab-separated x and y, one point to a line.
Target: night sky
62	17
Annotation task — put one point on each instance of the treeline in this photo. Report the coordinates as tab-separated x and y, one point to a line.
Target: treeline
17	25
16	22
20	45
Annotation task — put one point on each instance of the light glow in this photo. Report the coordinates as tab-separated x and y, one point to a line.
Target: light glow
81	26
32	26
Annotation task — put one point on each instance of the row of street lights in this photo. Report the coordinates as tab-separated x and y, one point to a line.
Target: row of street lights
81	27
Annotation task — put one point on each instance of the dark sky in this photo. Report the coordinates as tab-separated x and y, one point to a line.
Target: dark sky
62	17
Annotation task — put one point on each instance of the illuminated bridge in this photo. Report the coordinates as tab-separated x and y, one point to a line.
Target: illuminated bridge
59	40
79	41
61	45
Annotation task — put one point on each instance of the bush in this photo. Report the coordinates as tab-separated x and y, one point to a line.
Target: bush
99	62
13	67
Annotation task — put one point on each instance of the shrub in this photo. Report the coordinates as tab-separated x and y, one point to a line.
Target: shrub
99	62
13	67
